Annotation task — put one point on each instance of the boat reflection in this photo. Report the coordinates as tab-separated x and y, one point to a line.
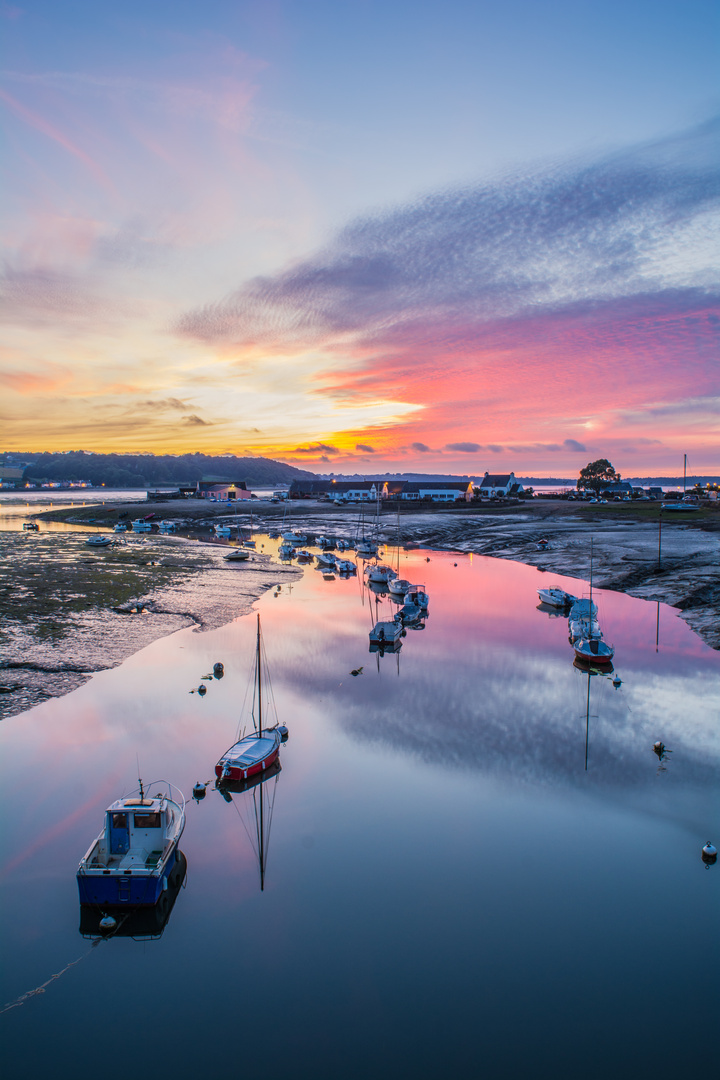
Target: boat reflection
256	812
140	923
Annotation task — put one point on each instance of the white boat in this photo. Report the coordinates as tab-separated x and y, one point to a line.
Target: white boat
99	541
166	526
121	527
304	555
130	861
398	586
417	595
556	597
589	647
256	752
594	651
141	525
223	530
326	560
386	634
379	574
237	555
680	508
286	550
345	566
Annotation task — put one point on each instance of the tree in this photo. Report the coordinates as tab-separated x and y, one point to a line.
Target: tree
597	474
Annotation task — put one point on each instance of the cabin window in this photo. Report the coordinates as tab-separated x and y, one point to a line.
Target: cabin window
148	821
119	821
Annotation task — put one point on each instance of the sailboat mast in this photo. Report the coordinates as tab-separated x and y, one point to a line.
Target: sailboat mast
684	472
591	577
261	845
259	678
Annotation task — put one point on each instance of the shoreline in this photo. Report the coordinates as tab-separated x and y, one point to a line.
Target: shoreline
149	590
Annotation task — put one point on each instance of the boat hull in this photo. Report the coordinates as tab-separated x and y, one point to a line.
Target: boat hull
130	888
227	770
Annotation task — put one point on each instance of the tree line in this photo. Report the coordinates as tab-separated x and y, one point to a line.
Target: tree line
150	470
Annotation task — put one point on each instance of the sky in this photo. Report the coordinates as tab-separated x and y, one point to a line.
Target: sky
442	237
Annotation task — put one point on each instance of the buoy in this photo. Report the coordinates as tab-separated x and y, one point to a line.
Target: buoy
617	681
202	689
107	923
709	854
199	791
218	670
283	732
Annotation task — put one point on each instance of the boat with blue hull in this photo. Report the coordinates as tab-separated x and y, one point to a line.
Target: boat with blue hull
132	860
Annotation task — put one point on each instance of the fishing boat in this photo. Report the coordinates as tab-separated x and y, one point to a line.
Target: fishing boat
326	560
166	526
142	923
256	752
98	541
345	566
556	597
223	530
141	525
286	550
130	861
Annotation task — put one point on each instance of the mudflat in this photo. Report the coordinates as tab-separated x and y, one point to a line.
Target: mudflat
71	610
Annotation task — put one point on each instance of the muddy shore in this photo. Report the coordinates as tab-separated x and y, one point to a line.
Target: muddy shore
70	611
65	620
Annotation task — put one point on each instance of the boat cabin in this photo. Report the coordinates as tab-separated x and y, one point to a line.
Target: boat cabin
135	833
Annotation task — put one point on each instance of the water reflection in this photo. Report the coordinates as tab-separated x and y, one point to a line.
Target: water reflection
256	810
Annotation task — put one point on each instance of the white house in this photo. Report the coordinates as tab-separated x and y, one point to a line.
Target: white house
437	490
498	485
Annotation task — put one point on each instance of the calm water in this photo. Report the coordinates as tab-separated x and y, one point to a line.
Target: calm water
448	891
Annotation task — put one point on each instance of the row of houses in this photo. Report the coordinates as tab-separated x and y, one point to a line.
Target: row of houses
492	485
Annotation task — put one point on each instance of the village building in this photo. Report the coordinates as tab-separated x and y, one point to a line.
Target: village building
222	490
435	490
498	486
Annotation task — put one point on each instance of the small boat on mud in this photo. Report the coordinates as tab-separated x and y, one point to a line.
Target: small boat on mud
256	752
121	527
130	861
141	525
31	526
98	541
237	555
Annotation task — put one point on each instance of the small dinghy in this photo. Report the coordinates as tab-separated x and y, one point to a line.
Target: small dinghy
141	525
258	751
398	586
132	858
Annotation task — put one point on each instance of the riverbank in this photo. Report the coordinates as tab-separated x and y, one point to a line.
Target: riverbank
70	611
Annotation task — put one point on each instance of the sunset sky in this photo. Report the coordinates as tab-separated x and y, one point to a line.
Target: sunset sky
437	236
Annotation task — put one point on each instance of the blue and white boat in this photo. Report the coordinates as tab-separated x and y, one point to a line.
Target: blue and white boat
131	860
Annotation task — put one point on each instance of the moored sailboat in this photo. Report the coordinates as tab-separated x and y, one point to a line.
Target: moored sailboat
256	752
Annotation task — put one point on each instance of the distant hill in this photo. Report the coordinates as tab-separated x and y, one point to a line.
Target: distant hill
149	470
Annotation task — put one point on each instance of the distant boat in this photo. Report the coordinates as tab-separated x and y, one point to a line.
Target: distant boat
31	526
256	752
589	646
223	530
99	541
130	861
121	527
237	555
386	634
556	597
379	574
398	587
166	526
141	525
417	595
345	566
